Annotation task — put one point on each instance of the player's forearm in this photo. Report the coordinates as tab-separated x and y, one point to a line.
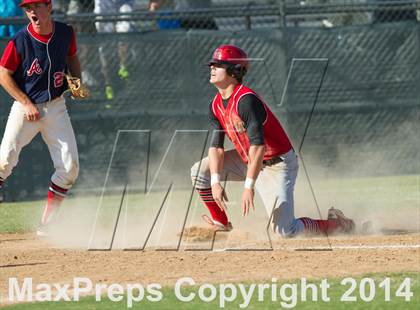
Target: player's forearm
216	156
9	84
74	66
256	155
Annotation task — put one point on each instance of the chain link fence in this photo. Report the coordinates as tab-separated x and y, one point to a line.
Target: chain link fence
365	122
230	15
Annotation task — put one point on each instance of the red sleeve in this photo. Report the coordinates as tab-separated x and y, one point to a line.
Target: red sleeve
73	46
10	59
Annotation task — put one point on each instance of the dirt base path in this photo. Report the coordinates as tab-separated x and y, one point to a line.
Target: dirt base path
25	255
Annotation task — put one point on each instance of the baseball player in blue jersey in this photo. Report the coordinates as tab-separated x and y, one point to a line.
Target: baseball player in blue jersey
32	71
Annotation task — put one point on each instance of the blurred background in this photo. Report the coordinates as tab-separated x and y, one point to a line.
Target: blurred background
145	63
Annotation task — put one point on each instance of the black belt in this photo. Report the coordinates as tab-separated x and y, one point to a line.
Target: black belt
273	161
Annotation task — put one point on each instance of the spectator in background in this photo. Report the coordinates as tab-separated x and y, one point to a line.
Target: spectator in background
9	8
69	7
82	26
60	6
109	7
205	22
164	8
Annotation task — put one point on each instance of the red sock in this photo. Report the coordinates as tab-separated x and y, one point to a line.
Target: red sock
56	194
216	213
319	226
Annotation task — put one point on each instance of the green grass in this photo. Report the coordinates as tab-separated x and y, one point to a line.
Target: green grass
335	292
384	191
19	217
376	192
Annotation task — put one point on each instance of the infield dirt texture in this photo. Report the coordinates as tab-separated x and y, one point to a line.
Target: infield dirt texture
390	245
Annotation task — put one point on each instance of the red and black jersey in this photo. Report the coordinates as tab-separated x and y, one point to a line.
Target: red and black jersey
275	139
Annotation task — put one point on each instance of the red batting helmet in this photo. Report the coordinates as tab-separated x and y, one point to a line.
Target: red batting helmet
230	55
25	2
234	57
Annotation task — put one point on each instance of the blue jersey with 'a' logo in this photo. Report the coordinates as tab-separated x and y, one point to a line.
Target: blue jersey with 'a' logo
41	73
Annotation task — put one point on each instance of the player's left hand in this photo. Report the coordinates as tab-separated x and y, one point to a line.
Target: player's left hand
247	201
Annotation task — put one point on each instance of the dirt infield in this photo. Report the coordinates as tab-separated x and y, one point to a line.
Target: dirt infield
25	255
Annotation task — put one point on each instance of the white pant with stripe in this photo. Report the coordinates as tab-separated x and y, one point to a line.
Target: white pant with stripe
56	131
275	184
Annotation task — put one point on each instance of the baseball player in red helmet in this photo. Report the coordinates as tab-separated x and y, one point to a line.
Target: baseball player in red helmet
263	156
32	71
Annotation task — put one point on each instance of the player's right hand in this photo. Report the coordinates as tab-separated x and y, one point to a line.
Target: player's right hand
219	196
31	112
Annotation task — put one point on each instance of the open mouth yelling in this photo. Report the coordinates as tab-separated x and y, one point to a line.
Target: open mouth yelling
35	20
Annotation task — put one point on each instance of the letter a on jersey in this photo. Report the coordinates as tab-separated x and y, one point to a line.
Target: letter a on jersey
35	68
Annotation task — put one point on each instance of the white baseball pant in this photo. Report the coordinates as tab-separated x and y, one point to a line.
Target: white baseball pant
56	131
275	184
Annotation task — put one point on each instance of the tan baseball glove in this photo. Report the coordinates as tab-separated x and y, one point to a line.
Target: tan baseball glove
77	88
